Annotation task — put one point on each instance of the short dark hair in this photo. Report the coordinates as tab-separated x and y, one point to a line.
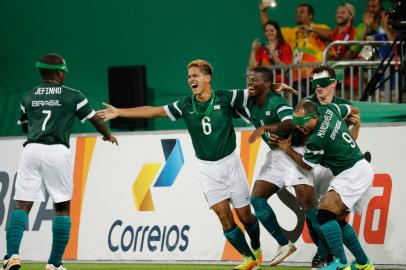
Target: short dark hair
310	8
329	69
279	35
307	106
266	73
50	59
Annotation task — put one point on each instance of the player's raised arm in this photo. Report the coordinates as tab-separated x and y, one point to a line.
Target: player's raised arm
99	124
112	112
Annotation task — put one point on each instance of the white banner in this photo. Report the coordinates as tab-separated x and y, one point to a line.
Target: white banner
142	201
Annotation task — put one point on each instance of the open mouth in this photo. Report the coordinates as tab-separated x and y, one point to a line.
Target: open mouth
194	85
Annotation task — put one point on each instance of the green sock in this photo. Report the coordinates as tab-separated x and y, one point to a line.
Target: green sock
351	241
332	233
60	237
266	215
253	232
237	239
316	233
15	230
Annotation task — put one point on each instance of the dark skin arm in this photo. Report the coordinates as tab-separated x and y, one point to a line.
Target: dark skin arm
286	126
285	146
100	126
24	128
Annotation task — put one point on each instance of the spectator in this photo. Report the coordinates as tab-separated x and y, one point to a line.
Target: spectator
374	26
273	51
345	30
307	46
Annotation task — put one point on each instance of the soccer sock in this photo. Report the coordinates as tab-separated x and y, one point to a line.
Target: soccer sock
237	239
332	232
253	232
60	237
351	241
266	215
18	223
316	233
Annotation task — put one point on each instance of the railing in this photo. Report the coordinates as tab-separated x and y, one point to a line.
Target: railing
353	75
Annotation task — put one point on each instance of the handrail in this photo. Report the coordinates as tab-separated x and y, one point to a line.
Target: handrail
353	42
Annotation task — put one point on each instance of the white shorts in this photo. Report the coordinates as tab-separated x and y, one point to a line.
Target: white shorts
224	179
323	177
281	170
354	184
43	167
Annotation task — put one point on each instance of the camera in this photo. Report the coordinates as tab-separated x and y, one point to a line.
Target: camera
397	16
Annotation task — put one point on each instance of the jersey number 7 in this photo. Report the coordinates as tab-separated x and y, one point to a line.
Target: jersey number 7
48	115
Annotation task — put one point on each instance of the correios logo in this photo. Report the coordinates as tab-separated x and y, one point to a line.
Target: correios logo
148	173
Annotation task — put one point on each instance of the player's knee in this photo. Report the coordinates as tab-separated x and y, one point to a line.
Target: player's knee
62	208
307	204
324	216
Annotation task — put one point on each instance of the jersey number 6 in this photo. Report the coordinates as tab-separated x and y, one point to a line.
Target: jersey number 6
206	125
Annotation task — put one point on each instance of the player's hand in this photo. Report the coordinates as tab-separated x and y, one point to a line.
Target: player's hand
274	139
284	144
111	139
257	133
109	113
354	118
282	87
263	6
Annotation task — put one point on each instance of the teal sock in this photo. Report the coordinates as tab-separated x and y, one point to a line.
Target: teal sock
332	233
266	215
316	233
15	230
60	237
351	241
253	232
237	239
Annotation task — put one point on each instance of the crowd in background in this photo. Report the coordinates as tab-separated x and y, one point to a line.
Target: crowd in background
306	42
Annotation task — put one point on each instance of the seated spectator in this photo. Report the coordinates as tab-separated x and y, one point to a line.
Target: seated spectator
272	51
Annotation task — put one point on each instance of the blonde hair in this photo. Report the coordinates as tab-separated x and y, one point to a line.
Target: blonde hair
350	8
203	65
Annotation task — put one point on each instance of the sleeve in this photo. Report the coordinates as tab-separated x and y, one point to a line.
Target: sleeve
174	110
284	111
343	109
239	100
83	109
23	114
286	54
358	36
314	151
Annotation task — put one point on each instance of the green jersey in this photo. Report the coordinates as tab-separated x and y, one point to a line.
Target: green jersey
213	136
336	100
274	110
330	144
49	111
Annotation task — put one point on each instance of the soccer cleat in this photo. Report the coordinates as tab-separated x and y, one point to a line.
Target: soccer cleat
318	262
248	263
13	263
367	266
282	253
52	267
336	265
258	255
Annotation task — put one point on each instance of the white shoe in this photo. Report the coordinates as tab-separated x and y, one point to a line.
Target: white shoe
12	263
283	252
52	267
